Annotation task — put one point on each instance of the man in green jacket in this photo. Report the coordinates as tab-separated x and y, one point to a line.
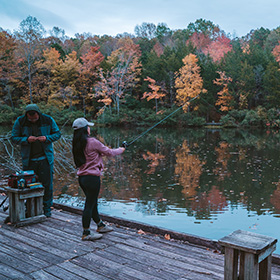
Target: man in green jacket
35	132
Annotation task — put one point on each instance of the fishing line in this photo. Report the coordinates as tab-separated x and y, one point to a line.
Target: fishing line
125	144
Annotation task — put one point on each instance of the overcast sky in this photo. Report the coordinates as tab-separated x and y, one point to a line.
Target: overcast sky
112	17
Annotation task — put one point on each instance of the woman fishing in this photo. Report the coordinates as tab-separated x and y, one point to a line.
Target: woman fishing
88	153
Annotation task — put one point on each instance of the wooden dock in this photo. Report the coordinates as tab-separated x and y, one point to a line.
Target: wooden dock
53	249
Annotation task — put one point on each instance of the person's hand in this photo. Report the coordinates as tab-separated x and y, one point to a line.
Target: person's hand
123	149
32	139
42	138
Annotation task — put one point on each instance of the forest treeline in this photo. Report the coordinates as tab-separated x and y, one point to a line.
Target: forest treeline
140	78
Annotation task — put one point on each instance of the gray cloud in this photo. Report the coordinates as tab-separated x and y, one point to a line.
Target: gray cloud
118	16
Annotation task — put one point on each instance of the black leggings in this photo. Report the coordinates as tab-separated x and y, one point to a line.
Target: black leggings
91	187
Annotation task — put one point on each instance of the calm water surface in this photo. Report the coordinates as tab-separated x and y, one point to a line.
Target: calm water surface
197	181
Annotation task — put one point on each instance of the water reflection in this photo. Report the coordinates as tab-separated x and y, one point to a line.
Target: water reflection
199	170
199	181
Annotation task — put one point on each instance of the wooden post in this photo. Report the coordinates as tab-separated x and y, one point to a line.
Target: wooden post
231	264
255	255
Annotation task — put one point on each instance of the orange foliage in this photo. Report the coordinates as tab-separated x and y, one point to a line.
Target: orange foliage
189	83
51	59
224	97
276	52
91	60
154	94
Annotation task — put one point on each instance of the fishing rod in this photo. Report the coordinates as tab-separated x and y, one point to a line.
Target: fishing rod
125	144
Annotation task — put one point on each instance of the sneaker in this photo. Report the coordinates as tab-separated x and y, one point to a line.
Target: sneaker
91	237
104	229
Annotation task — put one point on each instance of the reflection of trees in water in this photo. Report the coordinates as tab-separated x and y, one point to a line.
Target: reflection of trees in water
179	167
120	180
152	207
154	161
275	198
209	203
223	156
188	167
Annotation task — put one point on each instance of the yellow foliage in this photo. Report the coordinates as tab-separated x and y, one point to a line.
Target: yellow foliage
189	83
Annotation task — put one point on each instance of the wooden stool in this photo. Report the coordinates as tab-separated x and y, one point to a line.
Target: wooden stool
25	205
253	250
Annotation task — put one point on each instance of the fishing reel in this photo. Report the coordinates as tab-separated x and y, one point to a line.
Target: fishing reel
124	144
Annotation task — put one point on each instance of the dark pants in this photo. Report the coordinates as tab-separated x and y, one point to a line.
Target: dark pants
44	171
91	186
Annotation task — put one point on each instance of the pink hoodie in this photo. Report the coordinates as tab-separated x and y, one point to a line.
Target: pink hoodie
94	152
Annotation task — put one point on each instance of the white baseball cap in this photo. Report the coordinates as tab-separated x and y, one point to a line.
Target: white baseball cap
81	122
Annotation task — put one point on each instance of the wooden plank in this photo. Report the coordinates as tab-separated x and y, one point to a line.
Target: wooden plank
63	274
231	264
15	253
180	248
266	253
30	250
21	235
265	269
61	242
43	275
171	259
31	195
39	206
102	269
30	207
149	266
82	271
248	266
17	264
173	256
126	252
30	221
7	272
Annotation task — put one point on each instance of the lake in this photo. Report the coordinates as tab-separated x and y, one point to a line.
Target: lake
206	182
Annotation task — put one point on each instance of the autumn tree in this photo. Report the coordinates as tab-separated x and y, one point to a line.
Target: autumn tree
155	91
43	79
63	85
123	74
89	73
189	83
276	52
218	48
8	67
224	97
29	37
